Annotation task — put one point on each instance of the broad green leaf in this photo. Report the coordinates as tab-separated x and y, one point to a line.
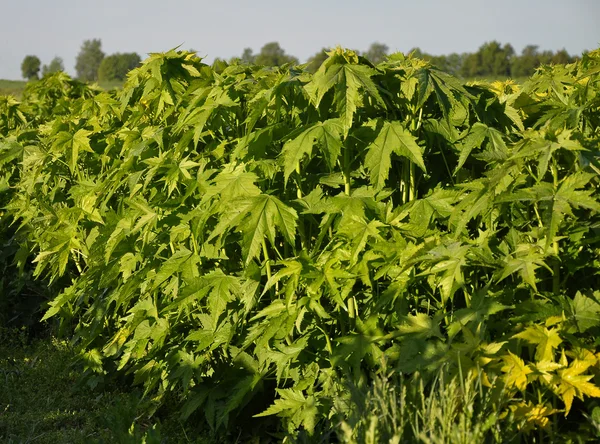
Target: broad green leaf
327	135
79	141
569	383
393	137
421	325
546	341
515	371
347	80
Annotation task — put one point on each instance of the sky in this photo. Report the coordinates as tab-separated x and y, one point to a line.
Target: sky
223	28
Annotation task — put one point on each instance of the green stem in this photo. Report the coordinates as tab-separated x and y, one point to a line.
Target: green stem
351	309
298	179
554	173
76	259
450	175
556	278
556	265
347	171
411	181
420	121
303	240
327	340
405	181
537	215
266	258
556	270
328	220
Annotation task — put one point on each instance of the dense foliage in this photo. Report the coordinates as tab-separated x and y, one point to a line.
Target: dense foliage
251	239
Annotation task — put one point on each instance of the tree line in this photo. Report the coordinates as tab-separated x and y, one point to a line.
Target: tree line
91	64
495	60
492	59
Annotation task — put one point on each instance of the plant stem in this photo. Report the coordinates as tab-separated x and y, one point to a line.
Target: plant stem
347	171
411	181
351	311
266	258
556	270
556	278
298	181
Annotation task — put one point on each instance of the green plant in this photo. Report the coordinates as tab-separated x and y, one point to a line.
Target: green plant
246	238
398	409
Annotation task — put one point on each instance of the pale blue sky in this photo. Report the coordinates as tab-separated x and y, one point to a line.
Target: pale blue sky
224	28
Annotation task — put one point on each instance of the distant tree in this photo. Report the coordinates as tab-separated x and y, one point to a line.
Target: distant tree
470	66
377	52
315	62
439	61
530	59
454	63
492	59
495	59
55	65
116	66
562	57
272	54
248	56
30	67
545	58
88	60
525	64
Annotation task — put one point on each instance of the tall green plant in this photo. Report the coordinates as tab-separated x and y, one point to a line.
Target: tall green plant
262	233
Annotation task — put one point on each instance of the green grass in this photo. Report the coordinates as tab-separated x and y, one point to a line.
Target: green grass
12	87
114	84
518	80
16	87
43	401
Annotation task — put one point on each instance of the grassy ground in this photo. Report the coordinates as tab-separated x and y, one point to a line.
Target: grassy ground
16	87
115	84
12	87
518	80
41	401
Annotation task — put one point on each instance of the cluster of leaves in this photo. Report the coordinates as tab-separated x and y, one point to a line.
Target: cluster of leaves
20	295
251	237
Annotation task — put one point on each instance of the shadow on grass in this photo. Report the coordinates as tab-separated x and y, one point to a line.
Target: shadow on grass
41	401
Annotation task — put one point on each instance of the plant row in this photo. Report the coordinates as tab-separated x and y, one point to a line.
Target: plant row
251	240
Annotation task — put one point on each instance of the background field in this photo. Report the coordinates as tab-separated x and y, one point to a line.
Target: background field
16	87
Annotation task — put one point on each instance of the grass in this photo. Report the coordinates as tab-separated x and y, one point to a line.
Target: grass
517	80
397	409
43	401
114	84
16	87
12	87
